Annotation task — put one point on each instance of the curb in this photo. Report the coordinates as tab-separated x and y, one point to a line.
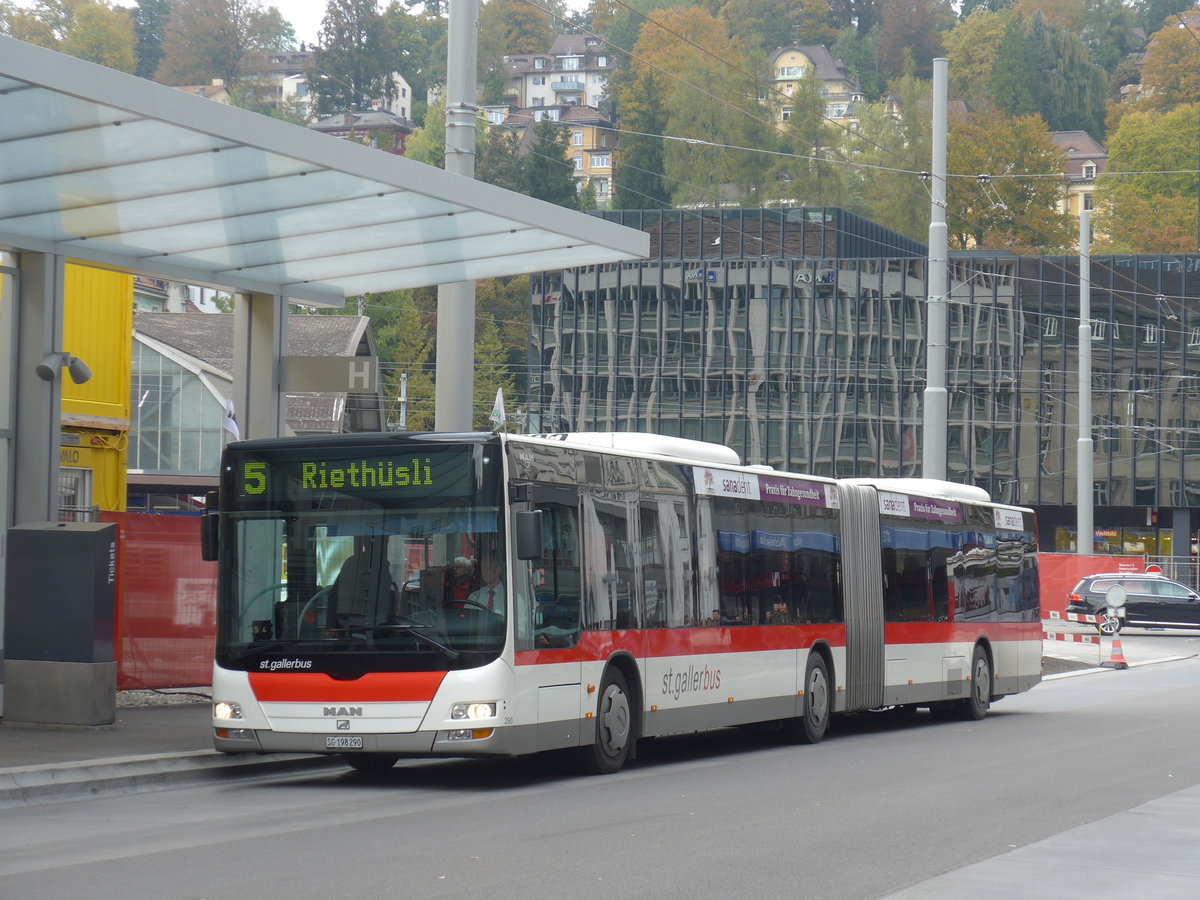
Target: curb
56	783
1136	665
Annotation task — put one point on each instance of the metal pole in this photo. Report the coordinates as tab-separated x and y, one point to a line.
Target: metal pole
1084	532
933	445
455	375
403	401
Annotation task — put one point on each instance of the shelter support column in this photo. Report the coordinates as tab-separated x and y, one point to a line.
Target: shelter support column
259	344
38	413
1183	528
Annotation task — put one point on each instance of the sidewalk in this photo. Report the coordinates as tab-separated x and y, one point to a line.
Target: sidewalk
164	739
159	740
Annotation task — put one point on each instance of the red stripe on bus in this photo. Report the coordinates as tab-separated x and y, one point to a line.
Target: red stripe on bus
654	643
316	687
960	632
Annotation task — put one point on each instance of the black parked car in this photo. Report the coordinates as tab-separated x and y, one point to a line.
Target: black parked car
1150	600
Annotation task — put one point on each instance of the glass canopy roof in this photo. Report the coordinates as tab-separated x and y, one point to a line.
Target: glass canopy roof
106	167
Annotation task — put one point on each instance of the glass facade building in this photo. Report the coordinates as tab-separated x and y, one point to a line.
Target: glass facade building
798	337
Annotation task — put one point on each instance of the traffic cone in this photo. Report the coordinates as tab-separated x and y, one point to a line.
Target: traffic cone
1116	658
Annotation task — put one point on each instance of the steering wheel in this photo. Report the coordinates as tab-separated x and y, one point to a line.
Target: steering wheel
250	603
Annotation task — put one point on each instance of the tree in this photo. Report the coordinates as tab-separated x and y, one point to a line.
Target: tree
207	39
691	48
1014	206
803	175
759	24
915	27
1012	87
1154	14
491	372
1171	74
45	23
150	26
1067	14
351	66
888	150
972	48
102	35
639	167
1074	88
417	51
859	54
404	338
1148	204
499	162
814	23
546	173
427	144
505	302
1108	26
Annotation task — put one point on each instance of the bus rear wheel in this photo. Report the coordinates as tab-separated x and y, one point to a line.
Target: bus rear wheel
370	762
810	726
976	705
614	727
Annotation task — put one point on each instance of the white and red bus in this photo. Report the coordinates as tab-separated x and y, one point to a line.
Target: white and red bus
649	586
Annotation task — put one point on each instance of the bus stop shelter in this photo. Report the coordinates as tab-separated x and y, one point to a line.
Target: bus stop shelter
101	167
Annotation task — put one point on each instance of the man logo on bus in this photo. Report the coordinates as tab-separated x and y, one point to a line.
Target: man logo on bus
342	711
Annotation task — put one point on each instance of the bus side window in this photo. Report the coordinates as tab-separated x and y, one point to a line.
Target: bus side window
610	598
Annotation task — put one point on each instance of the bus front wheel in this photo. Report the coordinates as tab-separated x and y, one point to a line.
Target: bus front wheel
614	727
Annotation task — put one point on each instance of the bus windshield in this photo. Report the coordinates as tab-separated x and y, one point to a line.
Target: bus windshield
383	558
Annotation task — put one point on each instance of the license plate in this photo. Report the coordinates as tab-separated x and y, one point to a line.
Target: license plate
343	743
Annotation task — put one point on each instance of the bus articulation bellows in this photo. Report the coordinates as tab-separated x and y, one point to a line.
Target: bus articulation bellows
421	595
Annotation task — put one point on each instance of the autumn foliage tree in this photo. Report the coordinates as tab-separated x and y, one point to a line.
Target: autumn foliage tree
1004	185
87	29
1171	74
1147	202
207	39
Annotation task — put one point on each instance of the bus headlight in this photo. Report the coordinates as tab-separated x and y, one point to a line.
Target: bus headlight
223	710
473	711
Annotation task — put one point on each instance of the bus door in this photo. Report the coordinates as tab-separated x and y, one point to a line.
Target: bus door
549	680
863	593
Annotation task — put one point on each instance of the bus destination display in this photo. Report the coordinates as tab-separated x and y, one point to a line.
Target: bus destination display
294	475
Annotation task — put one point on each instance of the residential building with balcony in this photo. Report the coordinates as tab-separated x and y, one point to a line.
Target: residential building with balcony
573	71
798	337
790	65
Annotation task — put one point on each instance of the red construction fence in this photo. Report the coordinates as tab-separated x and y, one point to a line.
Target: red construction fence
166	598
1059	572
166	602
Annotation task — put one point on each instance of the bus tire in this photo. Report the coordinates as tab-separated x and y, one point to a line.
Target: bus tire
812	723
979	698
614	726
370	762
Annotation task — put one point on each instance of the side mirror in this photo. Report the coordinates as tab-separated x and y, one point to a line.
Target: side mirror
529	534
208	528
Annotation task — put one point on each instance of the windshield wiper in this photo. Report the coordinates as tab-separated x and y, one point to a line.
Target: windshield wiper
413	629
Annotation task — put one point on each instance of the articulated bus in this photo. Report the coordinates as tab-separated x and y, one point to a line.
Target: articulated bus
636	586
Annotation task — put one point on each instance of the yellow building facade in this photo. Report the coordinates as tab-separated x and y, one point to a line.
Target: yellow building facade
97	328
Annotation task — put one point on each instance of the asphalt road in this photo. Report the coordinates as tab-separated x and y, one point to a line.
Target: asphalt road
885	803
